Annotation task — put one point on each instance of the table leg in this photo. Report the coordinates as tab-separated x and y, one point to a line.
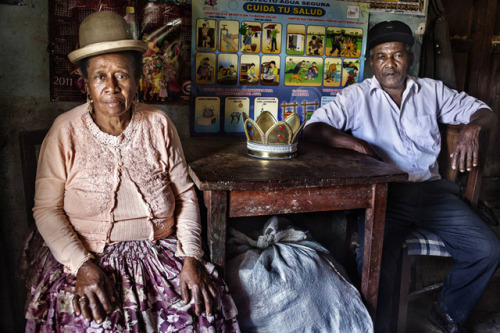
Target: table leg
374	237
216	203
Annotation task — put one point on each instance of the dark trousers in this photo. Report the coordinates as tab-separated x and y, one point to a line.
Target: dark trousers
475	248
274	45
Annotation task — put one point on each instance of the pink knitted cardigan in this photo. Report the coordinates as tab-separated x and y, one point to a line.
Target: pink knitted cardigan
94	189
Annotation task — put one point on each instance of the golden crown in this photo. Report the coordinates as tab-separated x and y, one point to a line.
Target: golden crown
271	139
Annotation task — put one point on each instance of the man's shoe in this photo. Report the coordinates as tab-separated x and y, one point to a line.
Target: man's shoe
444	322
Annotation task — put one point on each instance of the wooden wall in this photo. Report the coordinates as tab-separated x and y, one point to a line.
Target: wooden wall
473	25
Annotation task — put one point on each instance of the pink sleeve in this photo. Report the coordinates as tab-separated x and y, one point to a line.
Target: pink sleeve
188	226
48	211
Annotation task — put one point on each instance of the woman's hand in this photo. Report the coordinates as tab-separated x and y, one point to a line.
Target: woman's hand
93	293
196	282
466	152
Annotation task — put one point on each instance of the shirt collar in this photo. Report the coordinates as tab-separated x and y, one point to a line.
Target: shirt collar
411	82
374	84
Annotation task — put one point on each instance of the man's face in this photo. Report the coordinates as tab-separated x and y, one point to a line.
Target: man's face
390	63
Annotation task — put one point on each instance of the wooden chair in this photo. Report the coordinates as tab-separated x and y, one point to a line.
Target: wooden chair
421	242
30	142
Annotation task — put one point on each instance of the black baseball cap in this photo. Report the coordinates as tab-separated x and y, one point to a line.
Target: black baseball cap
389	31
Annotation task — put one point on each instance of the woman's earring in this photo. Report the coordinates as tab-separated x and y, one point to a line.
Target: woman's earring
91	104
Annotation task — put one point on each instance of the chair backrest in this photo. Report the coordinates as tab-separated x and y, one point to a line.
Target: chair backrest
449	135
30	142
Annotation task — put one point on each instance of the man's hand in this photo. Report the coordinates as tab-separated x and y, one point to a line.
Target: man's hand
196	282
465	155
466	152
93	293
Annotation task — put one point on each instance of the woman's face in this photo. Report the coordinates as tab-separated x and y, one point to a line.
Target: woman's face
111	84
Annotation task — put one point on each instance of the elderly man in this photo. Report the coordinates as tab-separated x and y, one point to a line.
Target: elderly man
394	117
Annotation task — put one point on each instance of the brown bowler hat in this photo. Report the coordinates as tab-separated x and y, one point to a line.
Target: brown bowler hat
104	32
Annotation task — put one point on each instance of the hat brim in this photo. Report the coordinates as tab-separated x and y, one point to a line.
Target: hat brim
107	47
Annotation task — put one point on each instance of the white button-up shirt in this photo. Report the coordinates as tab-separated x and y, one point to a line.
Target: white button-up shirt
407	136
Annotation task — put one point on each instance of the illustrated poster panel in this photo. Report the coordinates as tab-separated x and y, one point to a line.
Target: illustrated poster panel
255	56
164	25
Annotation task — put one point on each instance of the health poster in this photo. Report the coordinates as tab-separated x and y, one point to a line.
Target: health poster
281	56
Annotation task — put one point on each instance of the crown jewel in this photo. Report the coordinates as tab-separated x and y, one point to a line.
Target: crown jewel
271	139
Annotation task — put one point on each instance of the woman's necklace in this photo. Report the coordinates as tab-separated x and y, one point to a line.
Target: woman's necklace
92	115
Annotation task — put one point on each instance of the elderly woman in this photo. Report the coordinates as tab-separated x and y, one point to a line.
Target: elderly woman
117	209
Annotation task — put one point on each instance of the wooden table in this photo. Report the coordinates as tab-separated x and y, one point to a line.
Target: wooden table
319	179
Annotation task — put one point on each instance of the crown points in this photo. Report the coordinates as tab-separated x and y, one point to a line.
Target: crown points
265	120
271	139
294	121
279	133
252	131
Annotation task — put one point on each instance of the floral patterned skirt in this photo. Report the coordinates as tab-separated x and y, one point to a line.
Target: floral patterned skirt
146	278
